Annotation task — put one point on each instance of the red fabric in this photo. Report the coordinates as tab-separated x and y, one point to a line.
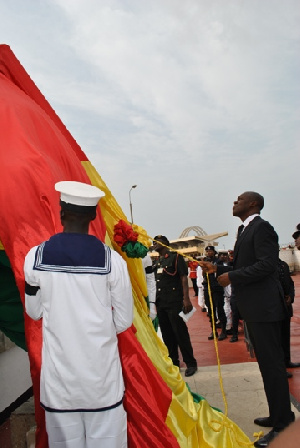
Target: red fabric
13	70
36	152
123	233
147	397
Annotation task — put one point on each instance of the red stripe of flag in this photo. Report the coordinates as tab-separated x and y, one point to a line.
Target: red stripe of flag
36	152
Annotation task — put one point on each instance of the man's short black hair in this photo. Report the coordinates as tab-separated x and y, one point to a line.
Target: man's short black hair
257	198
79	217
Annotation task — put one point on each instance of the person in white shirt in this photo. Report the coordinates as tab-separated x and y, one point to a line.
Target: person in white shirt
81	289
151	285
201	300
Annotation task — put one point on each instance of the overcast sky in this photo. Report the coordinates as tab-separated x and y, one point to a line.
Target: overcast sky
195	101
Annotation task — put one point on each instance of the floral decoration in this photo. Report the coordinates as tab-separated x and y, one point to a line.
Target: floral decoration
127	239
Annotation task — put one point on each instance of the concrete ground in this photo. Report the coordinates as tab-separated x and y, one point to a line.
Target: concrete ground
242	385
244	393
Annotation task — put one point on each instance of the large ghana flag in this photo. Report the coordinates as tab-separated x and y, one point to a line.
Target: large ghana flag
36	152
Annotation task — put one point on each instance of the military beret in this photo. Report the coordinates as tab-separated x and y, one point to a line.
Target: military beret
210	248
297	233
162	238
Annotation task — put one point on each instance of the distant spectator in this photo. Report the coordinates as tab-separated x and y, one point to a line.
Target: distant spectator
192	266
151	285
288	287
296	236
223	259
217	293
201	301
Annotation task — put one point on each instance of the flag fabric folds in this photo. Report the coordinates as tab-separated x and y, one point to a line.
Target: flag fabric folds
36	152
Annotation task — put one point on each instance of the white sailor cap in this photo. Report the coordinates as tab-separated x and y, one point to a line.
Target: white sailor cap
78	196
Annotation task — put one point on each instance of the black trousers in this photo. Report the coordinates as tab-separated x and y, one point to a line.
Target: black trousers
235	316
266	338
195	287
218	305
175	334
286	339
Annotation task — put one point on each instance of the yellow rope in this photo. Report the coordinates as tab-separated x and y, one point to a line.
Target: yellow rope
216	346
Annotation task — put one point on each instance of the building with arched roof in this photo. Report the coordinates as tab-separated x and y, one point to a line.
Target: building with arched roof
193	245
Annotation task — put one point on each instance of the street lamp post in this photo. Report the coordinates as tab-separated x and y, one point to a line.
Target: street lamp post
130	203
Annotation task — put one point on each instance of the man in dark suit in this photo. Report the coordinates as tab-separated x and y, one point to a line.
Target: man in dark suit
260	301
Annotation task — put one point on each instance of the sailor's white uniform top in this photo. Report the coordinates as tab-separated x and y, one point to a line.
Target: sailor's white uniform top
82	291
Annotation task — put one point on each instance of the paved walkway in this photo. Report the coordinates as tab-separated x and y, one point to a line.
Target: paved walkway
244	392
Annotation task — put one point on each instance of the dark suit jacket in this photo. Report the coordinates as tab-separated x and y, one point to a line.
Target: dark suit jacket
254	274
287	284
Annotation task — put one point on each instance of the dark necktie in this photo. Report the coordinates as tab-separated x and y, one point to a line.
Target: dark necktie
240	230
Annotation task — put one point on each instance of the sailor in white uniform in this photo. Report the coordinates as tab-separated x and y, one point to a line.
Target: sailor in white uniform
81	289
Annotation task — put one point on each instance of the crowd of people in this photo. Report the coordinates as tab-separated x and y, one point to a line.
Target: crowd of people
229	323
249	283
